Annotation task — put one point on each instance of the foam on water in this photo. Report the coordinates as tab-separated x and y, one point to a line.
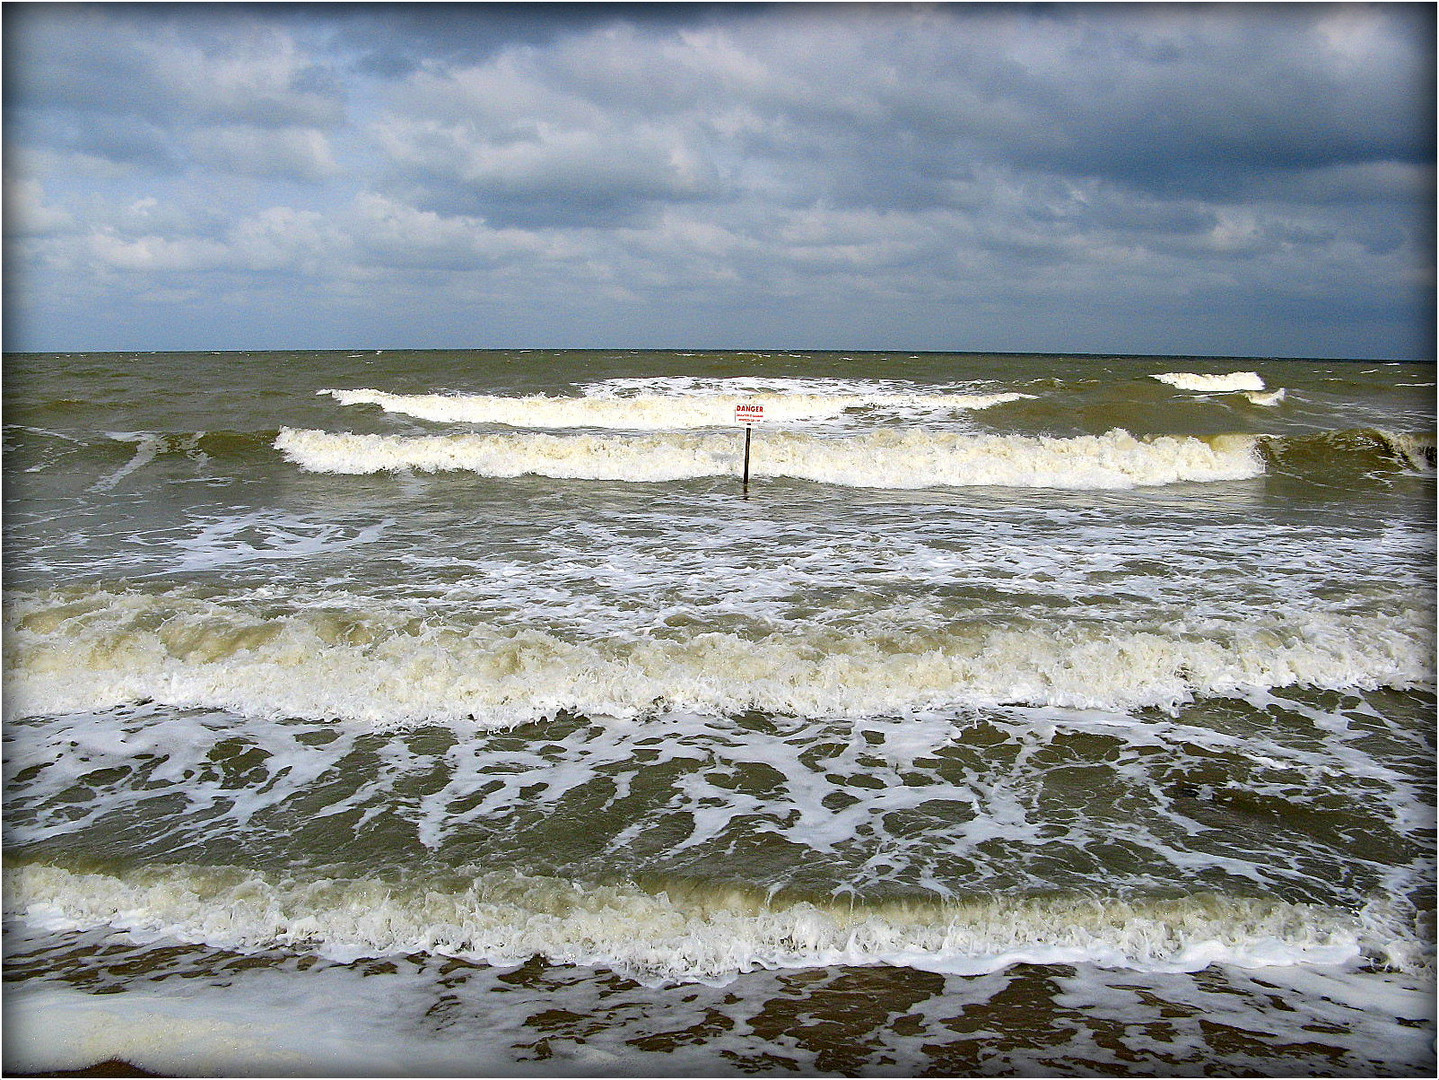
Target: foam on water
147	446
1006	804
505	918
389	665
1415	450
1145	753
256	1024
1266	398
1212	384
263	536
881	459
691	407
409	1016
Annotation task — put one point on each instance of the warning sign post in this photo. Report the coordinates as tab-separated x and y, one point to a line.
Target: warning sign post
749	415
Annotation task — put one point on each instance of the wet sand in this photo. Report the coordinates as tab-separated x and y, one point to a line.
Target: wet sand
113	1067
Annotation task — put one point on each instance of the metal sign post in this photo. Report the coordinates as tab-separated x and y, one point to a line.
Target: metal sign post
749	416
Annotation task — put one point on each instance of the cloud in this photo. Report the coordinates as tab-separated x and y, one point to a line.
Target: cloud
28	214
897	112
154	89
688	170
396	237
515	142
389	40
243	150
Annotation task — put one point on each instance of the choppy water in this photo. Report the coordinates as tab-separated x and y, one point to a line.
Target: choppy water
458	713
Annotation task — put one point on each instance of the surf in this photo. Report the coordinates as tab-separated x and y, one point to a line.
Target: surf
684	933
886	458
389	665
1238	381
655	411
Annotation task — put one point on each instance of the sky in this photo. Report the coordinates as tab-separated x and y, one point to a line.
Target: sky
1237	180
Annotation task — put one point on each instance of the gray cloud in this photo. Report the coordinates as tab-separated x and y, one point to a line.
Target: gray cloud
152	88
626	172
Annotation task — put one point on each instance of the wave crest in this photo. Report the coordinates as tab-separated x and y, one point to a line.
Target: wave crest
680	934
1212	384
651	412
890	458
68	652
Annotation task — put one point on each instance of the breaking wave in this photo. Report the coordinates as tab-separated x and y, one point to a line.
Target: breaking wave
683	932
1268	399
886	458
1338	454
74	650
651	412
911	458
1212	384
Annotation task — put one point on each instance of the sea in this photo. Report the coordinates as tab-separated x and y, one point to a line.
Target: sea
468	713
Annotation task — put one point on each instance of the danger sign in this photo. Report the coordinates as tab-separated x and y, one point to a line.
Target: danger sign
748	414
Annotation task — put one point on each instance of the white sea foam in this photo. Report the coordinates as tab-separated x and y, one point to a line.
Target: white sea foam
1414	450
845	791
254	1020
914	458
709	935
410	1021
655	411
1212	384
54	1028
257	1023
1268	399
146	447
265	536
391	666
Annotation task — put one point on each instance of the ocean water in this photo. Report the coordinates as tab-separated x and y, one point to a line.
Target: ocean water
462	713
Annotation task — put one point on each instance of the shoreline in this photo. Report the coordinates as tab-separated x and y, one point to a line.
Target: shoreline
110	1067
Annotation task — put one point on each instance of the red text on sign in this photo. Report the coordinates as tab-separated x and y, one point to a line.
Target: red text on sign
748	414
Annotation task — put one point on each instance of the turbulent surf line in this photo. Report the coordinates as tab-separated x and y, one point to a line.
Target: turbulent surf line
672	793
882	459
652	412
695	935
1212	384
1033	713
395	667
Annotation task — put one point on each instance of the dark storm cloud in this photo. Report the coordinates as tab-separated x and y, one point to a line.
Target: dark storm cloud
632	170
899	117
1173	100
1230	110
